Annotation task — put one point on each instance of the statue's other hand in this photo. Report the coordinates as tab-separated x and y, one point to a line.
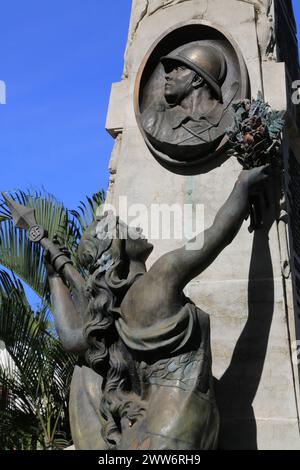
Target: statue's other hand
255	179
49	257
49	265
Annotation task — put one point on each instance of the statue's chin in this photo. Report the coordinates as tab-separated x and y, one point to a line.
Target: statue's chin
171	99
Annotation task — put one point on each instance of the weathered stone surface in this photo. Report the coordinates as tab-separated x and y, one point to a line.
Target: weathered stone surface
252	316
274	78
118	100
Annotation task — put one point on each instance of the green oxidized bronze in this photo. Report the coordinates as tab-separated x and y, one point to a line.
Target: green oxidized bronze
255	140
255	137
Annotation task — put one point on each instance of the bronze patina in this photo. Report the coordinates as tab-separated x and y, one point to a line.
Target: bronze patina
145	379
184	97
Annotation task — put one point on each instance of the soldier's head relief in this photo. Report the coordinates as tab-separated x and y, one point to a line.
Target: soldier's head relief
190	70
185	90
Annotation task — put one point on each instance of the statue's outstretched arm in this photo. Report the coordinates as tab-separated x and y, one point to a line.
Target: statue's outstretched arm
184	264
68	306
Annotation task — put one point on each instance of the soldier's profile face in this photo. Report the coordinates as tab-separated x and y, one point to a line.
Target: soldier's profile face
178	82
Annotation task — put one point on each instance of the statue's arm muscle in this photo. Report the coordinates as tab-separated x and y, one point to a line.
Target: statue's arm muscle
180	266
68	322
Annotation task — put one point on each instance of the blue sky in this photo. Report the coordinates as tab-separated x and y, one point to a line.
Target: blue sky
58	59
296	4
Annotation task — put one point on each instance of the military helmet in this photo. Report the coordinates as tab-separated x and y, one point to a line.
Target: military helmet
205	60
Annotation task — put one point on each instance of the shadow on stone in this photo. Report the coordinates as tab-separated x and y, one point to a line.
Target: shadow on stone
238	386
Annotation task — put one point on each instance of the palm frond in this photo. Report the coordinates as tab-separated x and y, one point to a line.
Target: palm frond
86	211
25	258
35	371
17	252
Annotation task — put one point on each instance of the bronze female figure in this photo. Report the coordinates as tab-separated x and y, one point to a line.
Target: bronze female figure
147	344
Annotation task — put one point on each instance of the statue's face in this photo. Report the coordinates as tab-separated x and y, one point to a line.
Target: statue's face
179	81
137	246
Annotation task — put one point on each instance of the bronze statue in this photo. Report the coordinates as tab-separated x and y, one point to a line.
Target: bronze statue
145	379
192	117
184	94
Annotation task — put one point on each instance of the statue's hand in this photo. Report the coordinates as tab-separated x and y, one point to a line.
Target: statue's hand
49	257
254	180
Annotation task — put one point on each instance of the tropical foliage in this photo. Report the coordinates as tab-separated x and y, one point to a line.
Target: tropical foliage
35	372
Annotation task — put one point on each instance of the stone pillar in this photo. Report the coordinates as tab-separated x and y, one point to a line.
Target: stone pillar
248	290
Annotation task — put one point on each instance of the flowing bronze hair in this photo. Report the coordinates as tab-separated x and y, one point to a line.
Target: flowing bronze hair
107	285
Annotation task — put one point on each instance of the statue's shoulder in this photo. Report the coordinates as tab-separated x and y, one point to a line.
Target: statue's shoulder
203	318
152	116
157	107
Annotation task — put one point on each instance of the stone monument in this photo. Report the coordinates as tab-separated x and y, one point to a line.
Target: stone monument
163	156
191	107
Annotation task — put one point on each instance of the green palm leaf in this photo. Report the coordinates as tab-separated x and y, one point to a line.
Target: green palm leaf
36	374
25	258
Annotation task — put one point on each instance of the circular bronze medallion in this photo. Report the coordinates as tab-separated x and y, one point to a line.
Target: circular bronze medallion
184	95
36	233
